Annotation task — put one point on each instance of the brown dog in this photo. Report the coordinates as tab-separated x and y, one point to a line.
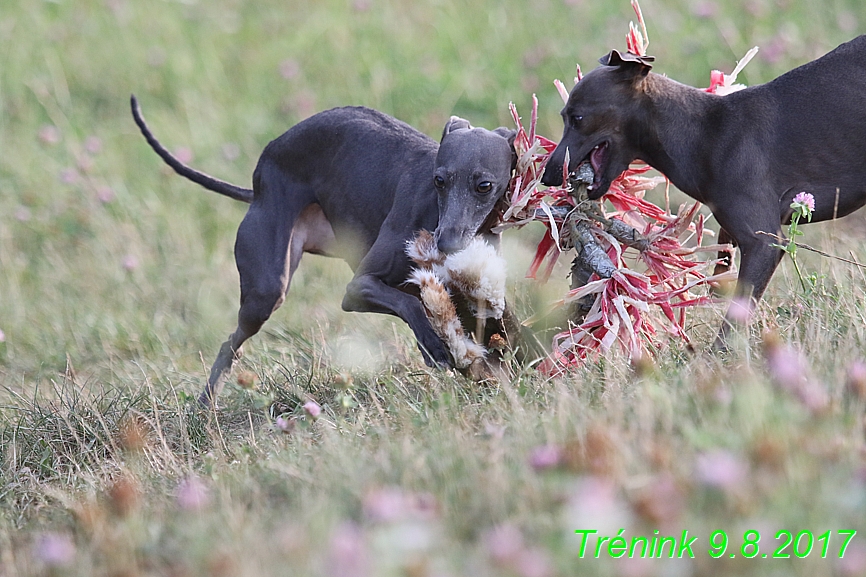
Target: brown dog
745	155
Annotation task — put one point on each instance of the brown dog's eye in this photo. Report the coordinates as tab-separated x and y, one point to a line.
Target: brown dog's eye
438	182
484	187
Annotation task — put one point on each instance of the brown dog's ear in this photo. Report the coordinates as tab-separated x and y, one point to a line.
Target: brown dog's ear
640	65
456	123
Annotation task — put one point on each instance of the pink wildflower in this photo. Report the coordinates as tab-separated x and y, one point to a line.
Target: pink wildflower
386	504
192	494
855	379
635	567
22	214
533	562
806	199
503	544
594	502
105	194
49	134
545	457
85	164
348	556
313	409
130	263
231	151
69	176
505	547
494	431
183	154
740	310
790	372
290	69
285	425
391	504
661	502
54	549
854	561
706	9
787	367
93	145
721	469
304	103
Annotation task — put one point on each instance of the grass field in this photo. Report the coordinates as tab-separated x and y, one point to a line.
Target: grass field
117	285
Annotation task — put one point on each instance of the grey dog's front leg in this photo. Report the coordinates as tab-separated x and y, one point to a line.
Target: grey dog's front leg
368	294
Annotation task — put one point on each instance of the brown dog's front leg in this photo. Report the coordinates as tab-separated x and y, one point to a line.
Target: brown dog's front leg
726	256
758	261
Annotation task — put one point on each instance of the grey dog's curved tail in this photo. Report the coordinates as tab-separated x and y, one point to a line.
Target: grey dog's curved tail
209	182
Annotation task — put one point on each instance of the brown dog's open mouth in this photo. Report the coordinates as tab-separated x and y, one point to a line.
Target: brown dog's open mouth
598	159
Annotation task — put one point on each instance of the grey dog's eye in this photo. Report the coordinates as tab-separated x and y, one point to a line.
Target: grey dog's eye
484	187
576	119
438	182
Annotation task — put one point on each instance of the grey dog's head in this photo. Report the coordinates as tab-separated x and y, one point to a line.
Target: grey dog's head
601	119
472	173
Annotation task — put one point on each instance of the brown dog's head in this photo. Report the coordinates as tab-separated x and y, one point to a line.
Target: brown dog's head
600	117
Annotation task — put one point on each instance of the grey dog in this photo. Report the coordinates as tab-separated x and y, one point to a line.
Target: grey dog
744	155
356	184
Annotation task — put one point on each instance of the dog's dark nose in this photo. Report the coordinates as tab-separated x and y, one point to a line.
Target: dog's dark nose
552	175
449	243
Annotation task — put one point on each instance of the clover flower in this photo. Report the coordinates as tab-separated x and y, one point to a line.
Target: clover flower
192	494
805	199
313	409
285	425
54	549
545	457
722	469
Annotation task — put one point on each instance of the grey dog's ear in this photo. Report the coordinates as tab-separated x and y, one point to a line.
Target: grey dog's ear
456	123
640	65
509	135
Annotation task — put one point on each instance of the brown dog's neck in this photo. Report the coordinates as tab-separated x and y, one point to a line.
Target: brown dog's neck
676	128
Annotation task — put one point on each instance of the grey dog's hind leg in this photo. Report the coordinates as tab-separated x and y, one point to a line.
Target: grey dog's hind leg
262	264
270	242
